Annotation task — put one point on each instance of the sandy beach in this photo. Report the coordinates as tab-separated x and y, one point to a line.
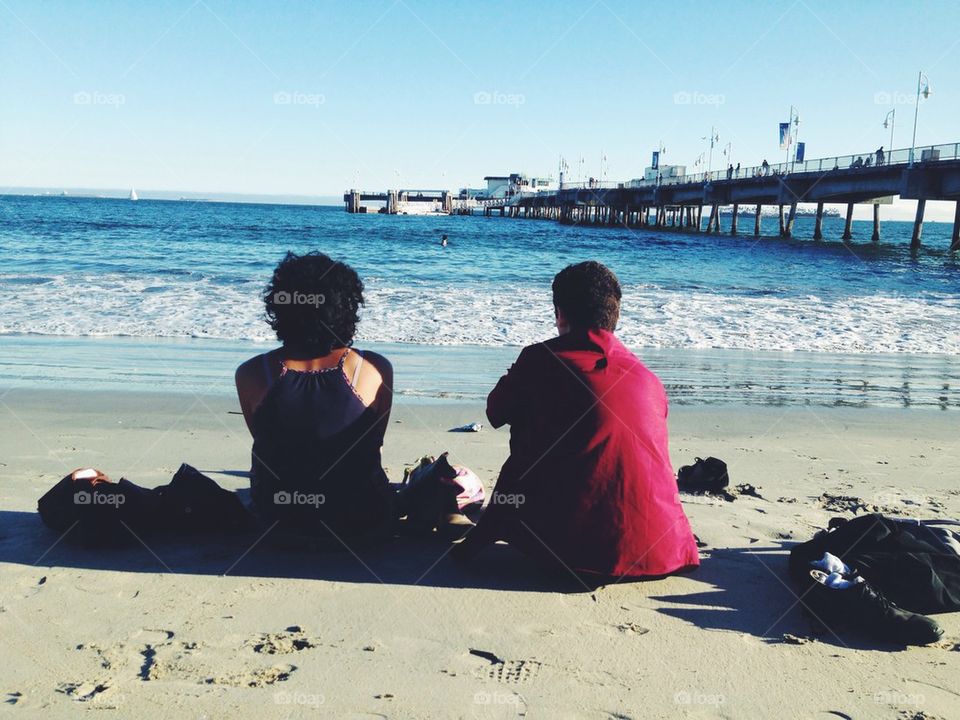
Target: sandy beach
239	628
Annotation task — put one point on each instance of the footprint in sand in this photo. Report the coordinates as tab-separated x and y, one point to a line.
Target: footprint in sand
149	655
260	677
289	641
631	628
513	672
82	691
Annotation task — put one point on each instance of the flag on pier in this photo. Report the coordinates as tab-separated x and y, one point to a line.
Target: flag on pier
784	135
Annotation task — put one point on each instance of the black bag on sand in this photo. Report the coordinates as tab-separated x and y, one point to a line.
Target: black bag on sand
93	510
705	475
192	502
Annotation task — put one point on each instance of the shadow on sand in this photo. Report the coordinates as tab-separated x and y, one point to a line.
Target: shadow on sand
25	540
751	593
748	590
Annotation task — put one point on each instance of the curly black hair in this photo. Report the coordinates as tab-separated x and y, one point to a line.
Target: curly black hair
588	294
312	303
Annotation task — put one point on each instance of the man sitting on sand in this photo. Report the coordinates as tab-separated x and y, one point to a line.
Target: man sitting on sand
589	481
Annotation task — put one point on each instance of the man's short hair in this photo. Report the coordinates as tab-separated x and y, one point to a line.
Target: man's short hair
588	294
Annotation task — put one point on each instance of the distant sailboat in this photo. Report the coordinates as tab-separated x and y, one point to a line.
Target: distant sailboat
133	194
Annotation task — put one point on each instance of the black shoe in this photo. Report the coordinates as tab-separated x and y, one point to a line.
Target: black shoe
708	475
864	608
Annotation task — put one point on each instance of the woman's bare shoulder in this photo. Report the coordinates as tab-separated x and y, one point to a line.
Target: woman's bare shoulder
378	361
253	368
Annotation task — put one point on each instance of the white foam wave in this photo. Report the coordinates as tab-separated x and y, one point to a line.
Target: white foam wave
489	315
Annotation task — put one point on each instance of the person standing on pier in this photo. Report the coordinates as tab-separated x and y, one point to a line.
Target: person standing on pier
880	155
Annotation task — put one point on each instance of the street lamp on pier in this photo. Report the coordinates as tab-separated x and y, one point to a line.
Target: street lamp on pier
922	82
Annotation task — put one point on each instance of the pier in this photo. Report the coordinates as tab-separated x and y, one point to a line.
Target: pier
394	199
921	174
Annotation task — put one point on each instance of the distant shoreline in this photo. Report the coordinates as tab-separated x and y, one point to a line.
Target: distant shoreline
175	196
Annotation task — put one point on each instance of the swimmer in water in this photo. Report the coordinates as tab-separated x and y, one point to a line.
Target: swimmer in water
443	241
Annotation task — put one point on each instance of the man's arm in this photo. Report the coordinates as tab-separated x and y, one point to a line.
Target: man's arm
504	400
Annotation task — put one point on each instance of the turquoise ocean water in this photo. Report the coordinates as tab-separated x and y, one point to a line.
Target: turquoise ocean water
152	295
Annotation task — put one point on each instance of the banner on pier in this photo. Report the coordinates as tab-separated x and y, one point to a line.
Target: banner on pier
801	149
784	135
655	162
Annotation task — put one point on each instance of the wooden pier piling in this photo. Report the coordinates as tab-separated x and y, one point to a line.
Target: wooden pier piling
733	221
848	225
918	225
955	240
756	220
818	223
876	223
788	230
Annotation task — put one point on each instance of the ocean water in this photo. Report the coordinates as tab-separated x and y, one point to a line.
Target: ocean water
710	313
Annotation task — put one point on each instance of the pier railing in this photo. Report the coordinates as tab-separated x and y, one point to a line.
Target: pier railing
921	155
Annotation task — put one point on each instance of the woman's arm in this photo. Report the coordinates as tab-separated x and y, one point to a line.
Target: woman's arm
252	385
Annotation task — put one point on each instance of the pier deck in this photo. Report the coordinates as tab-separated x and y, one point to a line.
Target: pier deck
922	174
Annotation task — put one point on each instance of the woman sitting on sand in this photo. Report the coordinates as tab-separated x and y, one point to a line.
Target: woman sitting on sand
317	408
588	482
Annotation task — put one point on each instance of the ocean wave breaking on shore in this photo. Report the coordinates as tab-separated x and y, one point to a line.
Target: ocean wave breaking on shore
488	314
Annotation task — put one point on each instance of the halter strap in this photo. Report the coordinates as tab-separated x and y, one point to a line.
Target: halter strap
356	372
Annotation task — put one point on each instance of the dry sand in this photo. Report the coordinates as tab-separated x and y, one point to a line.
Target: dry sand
236	629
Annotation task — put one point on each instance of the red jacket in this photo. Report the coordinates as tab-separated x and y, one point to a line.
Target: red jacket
589	479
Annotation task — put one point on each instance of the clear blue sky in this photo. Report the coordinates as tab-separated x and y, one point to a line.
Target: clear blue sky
191	95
